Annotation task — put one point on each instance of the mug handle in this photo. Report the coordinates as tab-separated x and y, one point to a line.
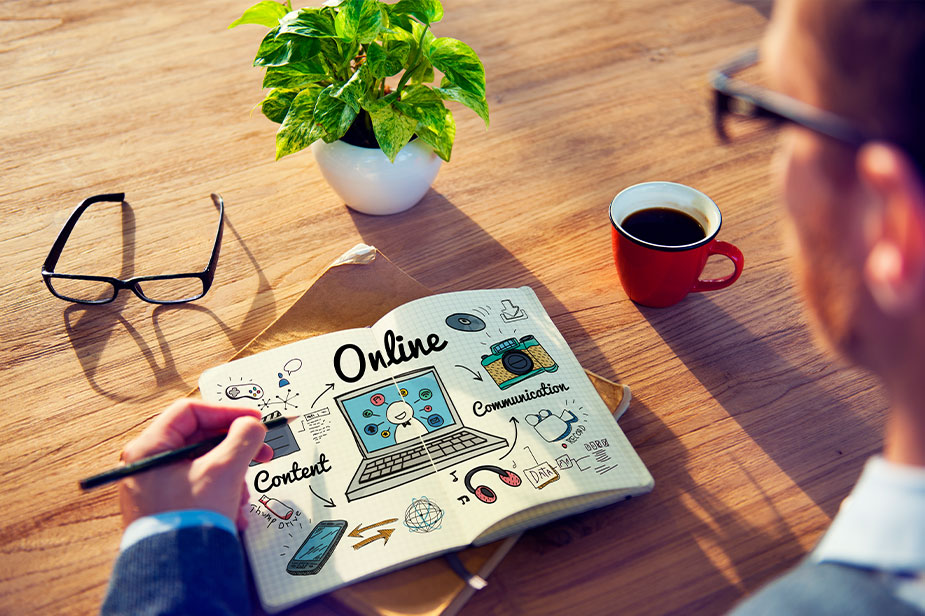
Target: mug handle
733	254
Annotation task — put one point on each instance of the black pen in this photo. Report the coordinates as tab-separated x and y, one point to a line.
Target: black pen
166	457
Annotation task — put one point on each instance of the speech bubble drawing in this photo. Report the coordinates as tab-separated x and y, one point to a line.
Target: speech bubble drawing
293	365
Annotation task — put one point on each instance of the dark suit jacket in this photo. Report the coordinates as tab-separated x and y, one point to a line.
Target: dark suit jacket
193	570
825	589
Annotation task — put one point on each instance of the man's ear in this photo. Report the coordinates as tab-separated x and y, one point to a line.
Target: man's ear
894	270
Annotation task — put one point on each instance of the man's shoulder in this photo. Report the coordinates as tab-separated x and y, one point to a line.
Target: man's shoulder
825	588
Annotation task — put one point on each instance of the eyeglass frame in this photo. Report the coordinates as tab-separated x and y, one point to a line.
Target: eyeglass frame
753	101
48	274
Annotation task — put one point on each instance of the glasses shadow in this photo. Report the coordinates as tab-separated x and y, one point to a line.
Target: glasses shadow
92	328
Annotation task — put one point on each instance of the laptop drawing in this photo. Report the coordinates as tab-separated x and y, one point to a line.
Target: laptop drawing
407	428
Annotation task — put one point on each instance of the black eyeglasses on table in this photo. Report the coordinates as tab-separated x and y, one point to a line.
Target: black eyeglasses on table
740	102
162	289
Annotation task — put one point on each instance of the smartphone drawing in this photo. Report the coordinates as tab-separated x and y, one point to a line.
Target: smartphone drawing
317	548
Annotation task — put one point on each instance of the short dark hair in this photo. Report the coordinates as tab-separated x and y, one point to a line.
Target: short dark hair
874	52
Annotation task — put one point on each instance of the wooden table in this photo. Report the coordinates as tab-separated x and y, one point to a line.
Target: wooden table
753	436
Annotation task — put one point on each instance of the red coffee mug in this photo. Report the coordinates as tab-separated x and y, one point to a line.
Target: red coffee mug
660	275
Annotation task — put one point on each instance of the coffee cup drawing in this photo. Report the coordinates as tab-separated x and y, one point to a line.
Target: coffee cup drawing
662	235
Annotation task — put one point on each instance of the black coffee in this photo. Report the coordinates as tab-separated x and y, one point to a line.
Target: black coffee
663	226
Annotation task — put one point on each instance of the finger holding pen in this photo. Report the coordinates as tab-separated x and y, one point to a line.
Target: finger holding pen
214	480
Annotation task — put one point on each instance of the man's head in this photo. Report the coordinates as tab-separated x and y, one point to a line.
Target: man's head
858	213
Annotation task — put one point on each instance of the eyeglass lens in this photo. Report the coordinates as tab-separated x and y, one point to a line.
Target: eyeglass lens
82	290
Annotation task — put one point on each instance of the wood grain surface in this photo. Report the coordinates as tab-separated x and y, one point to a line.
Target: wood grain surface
752	434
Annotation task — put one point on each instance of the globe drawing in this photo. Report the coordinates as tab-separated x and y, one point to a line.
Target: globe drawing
423	515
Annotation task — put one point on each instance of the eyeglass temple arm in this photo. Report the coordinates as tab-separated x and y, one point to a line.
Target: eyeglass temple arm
216	248
55	253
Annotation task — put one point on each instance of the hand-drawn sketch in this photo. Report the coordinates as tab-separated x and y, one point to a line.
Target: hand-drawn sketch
510	312
286	402
565	462
465	322
423	515
293	365
601	456
283	381
552	427
541	475
277	508
279	438
317	423
512	361
483	492
388	463
236	391
407	426
317	548
382	533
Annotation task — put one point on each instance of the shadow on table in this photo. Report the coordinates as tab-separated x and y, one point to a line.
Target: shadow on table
678	549
781	406
762	6
456	248
90	328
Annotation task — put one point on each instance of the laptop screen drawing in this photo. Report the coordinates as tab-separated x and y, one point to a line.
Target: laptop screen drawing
407	428
392	412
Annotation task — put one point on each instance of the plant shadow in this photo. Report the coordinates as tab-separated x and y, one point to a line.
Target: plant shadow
457	248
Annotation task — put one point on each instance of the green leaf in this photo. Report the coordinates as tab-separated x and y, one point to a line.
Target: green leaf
356	89
298	128
295	74
266	13
381	63
424	105
440	139
312	23
333	115
276	104
359	20
450	92
459	63
278	51
392	128
427	11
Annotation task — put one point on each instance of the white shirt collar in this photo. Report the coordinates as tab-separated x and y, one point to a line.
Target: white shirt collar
881	525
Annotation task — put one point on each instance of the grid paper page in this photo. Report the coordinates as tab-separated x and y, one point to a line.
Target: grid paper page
452	414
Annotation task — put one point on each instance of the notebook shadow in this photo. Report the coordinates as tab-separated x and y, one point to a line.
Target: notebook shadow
775	401
456	246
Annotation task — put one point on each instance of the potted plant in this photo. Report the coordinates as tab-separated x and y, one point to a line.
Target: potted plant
351	78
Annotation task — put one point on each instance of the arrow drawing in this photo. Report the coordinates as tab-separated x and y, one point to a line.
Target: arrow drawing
328	387
515	422
328	502
475	375
382	533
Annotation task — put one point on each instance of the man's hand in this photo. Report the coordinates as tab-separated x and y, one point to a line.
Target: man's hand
212	481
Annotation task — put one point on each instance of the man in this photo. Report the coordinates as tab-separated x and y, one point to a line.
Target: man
854	187
180	553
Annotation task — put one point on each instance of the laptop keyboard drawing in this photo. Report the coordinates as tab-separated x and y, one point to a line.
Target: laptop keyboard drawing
406	429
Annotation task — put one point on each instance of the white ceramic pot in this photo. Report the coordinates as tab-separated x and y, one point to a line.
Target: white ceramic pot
366	180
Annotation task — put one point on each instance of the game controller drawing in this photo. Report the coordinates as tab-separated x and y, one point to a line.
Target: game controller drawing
252	391
512	361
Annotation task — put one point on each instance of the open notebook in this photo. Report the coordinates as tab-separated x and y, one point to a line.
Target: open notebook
456	419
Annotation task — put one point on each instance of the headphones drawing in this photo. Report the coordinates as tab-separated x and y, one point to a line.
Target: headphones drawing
484	493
